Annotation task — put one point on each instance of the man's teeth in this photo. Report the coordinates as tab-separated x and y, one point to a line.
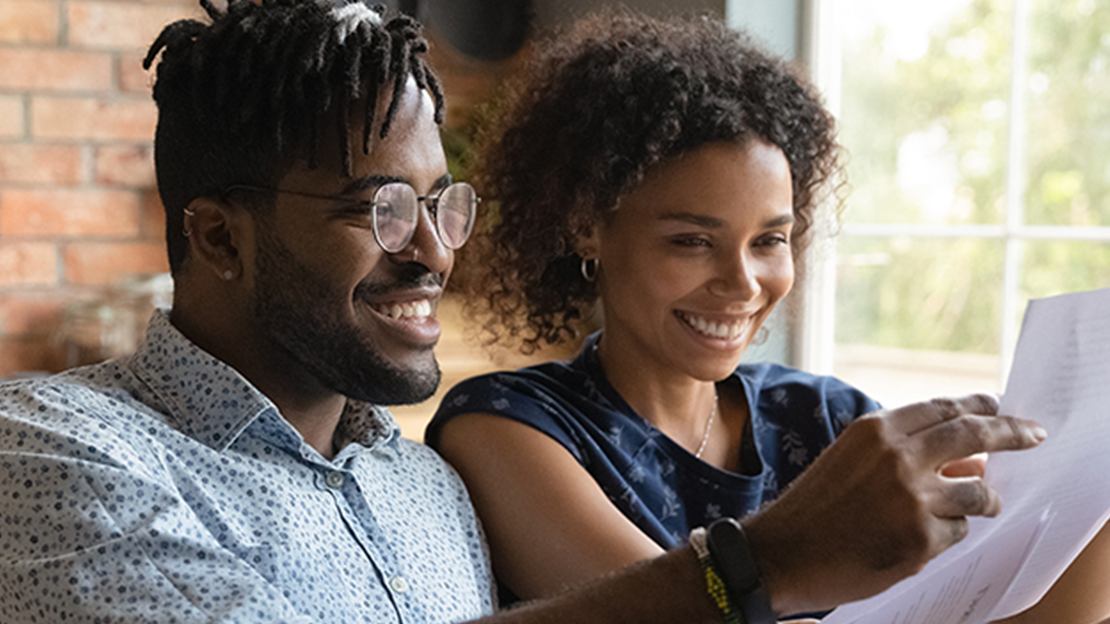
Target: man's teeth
713	329
409	309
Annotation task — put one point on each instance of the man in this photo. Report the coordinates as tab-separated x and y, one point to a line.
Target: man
236	467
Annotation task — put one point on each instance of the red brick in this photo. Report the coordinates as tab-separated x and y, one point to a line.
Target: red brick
11	116
28	20
69	212
152	220
121	25
34	313
133	79
125	165
43	164
21	354
28	264
54	70
85	118
102	263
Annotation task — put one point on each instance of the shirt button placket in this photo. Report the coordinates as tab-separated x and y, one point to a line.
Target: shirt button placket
334	479
399	584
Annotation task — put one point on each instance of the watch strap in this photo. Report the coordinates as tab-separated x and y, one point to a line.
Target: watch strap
737	567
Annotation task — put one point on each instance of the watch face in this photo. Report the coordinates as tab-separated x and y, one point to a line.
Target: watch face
730	548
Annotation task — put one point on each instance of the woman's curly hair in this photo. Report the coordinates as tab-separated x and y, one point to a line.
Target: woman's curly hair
598	106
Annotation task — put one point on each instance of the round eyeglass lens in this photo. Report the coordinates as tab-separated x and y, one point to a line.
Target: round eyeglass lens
455	214
395	214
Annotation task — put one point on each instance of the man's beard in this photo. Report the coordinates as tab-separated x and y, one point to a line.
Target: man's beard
291	306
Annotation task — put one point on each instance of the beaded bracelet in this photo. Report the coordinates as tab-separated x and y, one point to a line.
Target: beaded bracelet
713	583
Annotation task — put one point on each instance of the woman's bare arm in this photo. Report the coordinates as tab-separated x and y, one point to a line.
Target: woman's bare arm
1081	595
549	524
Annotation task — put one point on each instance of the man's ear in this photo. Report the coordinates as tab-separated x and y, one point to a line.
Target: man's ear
217	232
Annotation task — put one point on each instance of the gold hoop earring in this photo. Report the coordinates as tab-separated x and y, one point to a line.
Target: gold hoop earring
589	269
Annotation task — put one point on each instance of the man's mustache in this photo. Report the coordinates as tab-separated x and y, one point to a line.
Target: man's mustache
409	276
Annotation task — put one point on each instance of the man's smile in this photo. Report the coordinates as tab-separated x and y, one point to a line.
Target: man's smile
416	310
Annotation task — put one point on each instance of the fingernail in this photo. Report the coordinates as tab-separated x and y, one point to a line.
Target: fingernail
1039	433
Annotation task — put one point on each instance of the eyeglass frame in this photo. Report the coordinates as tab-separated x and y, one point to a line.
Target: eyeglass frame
432	208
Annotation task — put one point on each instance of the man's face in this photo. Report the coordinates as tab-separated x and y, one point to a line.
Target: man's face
359	320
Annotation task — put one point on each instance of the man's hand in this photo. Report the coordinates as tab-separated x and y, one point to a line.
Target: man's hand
874	508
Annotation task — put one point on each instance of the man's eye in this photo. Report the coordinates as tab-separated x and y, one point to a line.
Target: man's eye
361	208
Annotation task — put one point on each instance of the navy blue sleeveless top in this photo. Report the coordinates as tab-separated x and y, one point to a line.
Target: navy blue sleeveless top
663	488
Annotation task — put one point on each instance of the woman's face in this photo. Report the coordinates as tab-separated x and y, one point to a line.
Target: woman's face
696	257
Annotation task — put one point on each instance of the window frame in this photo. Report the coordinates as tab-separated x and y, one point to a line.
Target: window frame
820	41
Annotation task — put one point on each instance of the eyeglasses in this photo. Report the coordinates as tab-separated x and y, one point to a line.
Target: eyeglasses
394	210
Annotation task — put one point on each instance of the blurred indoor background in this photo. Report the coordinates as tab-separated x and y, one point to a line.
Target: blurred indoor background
979	174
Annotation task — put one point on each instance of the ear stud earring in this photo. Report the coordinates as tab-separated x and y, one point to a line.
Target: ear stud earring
228	274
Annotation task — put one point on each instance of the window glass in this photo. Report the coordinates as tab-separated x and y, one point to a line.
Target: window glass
918	317
936	262
1057	267
924	110
1068	101
919	293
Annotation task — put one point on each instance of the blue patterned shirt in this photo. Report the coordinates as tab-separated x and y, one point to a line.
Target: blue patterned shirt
165	488
656	483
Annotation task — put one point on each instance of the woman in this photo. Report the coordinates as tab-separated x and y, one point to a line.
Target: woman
667	172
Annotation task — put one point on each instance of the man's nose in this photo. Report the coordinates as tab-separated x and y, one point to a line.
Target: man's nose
425	246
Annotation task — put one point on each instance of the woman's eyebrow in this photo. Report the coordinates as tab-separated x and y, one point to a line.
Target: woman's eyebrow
708	222
784	219
701	220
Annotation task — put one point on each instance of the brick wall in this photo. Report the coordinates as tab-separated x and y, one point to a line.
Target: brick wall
77	202
78	207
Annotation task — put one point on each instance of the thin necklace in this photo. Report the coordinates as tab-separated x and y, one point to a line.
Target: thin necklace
708	425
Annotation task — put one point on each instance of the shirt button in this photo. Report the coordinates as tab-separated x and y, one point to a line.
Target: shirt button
334	480
399	584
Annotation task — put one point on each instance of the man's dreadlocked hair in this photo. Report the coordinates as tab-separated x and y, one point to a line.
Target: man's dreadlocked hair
243	98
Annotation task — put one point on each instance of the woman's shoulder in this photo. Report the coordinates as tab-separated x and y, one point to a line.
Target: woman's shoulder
544	396
772	373
536	381
771	383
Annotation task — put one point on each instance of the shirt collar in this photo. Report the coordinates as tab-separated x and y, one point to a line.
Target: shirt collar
212	403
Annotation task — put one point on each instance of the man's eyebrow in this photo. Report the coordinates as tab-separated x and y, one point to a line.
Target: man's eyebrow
377	180
368	182
708	222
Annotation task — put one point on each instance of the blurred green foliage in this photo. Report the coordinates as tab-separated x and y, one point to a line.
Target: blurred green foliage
928	140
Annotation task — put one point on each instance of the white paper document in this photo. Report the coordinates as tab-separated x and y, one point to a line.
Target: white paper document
1055	498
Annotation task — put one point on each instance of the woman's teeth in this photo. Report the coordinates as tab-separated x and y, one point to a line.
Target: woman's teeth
723	331
409	309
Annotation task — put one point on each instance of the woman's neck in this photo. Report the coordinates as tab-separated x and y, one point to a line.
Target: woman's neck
679	405
676	404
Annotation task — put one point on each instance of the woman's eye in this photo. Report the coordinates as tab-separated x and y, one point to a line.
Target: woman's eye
773	240
691	241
